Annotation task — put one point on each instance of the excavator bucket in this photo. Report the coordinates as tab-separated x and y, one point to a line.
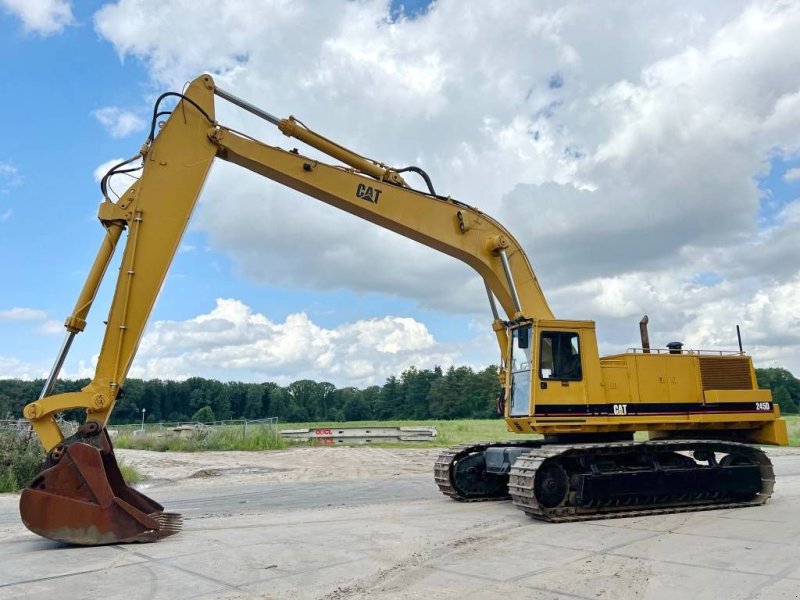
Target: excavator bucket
80	497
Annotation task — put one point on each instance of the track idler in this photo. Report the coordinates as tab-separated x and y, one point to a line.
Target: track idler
80	497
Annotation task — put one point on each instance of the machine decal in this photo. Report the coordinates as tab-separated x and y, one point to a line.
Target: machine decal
368	193
649	408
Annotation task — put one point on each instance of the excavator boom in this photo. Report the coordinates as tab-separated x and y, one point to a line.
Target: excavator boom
80	497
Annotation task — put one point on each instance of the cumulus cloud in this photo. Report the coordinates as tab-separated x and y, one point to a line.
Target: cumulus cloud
51	327
13	368
105	167
22	314
119	122
232	341
44	17
792	175
622	146
119	182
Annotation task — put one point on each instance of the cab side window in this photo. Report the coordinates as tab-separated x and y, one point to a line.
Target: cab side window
560	356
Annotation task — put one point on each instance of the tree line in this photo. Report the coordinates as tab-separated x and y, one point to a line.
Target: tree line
785	388
457	393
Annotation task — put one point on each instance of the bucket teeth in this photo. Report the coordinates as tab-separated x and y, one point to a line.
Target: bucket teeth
81	498
169	523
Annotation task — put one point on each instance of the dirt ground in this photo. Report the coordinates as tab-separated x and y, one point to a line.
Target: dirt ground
293	464
338	463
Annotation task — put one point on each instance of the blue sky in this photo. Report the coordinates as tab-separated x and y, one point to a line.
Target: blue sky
48	197
689	174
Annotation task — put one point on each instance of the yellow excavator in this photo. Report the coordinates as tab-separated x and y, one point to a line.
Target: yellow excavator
702	410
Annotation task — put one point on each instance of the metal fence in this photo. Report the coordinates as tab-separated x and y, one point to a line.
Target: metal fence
20	425
23	426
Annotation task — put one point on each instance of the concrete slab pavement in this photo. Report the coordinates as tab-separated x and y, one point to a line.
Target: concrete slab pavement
398	538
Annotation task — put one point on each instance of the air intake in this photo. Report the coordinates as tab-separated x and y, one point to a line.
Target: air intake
725	373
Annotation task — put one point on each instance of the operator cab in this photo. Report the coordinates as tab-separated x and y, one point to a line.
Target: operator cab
546	371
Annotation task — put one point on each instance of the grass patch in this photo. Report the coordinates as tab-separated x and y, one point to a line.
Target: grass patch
21	457
130	474
261	438
450	433
472	430
217	438
793	425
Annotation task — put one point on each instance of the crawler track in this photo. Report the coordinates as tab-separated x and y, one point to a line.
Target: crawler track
562	483
577	482
445	472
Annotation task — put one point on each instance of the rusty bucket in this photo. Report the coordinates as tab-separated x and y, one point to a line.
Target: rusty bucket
80	497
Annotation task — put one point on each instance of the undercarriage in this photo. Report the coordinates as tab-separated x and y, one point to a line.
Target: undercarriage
560	482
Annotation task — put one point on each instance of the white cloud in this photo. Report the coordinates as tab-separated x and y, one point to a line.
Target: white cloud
9	177
232	341
22	314
51	327
6	215
119	122
13	368
119	182
792	175
622	146
45	17
105	167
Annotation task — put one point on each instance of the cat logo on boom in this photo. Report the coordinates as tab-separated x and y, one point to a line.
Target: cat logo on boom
368	193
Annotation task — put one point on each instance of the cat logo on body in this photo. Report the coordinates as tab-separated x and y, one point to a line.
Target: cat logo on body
368	193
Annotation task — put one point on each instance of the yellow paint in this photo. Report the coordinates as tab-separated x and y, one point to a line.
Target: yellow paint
156	210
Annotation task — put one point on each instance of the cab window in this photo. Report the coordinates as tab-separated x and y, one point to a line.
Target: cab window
560	356
521	342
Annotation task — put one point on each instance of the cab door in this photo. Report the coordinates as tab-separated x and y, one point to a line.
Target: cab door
559	374
520	371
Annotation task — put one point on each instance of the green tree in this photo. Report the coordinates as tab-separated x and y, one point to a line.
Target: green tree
445	398
204	415
389	399
487	388
774	377
782	398
306	394
253	402
356	409
416	385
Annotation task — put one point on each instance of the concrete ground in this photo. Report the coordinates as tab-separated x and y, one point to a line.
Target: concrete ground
344	532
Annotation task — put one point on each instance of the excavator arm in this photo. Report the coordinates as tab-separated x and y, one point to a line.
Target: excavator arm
156	210
81	476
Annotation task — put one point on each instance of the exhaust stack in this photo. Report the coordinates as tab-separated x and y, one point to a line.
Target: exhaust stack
645	336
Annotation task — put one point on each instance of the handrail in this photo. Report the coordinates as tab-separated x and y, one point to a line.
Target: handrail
688	351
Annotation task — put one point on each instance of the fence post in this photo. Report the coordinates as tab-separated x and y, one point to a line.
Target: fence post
244	432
